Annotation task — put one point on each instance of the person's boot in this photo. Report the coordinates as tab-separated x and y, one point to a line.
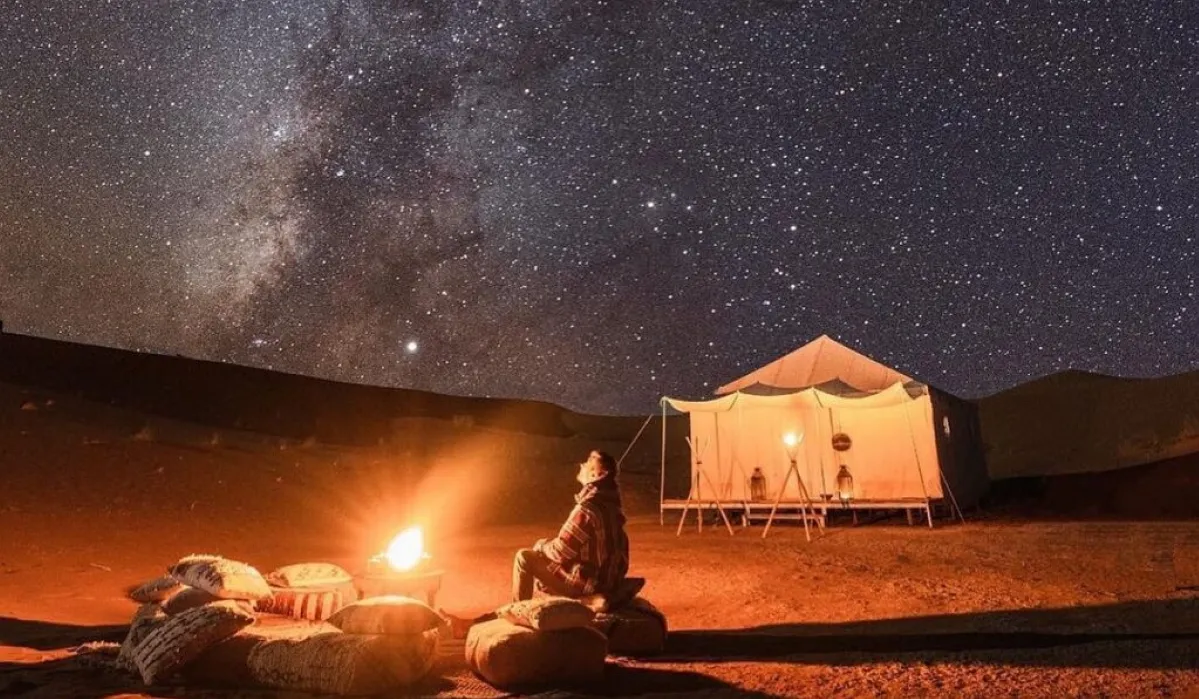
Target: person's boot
460	627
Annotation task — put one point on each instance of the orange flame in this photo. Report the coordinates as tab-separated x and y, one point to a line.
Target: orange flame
406	550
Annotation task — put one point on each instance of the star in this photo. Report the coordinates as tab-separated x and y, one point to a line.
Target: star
566	202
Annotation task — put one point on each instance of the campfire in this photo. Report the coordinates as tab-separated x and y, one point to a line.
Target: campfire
405	554
402	569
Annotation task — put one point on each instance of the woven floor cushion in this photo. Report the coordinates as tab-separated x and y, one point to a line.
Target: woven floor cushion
634	630
317	658
510	656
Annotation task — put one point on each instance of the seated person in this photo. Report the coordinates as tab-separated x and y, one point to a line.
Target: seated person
589	555
591	552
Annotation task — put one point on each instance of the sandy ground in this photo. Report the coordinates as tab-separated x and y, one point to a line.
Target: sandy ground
886	610
1003	606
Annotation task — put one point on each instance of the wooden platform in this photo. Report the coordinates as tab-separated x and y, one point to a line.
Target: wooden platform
792	510
902	504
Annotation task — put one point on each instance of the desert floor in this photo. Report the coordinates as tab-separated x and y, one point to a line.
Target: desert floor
991	608
94	499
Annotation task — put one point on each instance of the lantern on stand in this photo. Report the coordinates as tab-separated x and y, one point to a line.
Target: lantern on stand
844	485
757	485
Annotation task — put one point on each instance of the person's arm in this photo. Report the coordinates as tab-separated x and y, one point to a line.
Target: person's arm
574	535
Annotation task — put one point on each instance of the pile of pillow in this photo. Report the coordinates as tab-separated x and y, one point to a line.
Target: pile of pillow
202	601
301	627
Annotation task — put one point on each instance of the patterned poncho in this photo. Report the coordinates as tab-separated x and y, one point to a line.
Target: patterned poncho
591	552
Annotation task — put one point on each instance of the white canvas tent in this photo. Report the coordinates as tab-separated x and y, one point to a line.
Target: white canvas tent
909	446
822	361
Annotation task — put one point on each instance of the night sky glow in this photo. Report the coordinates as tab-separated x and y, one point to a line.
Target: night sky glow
596	203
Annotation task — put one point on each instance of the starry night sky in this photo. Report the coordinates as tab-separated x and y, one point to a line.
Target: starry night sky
597	203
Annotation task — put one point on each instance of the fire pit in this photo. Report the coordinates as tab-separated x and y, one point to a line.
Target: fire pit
403	569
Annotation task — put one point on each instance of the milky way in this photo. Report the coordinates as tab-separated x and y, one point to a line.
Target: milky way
599	203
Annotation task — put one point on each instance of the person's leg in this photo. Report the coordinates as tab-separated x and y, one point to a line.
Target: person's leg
531	567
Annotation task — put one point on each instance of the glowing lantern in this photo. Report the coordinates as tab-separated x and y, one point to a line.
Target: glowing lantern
791	441
757	485
844	485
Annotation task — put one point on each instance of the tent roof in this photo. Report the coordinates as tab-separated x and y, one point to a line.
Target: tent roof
895	394
820	361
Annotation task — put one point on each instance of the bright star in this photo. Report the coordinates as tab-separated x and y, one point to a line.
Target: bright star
411	347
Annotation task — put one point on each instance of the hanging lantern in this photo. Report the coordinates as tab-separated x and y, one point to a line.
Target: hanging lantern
757	485
844	485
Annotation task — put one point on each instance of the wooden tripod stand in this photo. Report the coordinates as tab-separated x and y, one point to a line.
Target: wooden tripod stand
697	476
804	499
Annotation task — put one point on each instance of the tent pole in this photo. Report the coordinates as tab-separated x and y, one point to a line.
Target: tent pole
919	470
691	489
952	499
662	471
630	447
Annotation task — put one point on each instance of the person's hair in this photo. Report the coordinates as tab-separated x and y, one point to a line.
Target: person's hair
606	462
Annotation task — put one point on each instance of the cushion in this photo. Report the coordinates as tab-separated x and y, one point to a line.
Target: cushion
189	598
155	590
145	619
309	575
179	639
221	577
637	629
624	593
547	613
389	614
308	659
314	604
195	559
510	656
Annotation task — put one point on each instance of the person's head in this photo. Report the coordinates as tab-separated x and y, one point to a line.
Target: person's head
598	466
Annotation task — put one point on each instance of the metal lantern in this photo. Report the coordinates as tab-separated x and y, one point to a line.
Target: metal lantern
757	485
844	485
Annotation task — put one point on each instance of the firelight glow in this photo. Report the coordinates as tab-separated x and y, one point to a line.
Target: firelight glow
406	549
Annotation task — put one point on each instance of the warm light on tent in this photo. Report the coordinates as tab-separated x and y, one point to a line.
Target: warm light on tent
792	441
844	485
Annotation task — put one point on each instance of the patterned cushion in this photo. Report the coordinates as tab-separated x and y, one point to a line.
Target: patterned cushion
179	639
221	577
309	575
548	613
314	604
192	597
155	590
145	619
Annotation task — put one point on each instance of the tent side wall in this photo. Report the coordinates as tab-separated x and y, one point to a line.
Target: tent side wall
894	455
960	451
